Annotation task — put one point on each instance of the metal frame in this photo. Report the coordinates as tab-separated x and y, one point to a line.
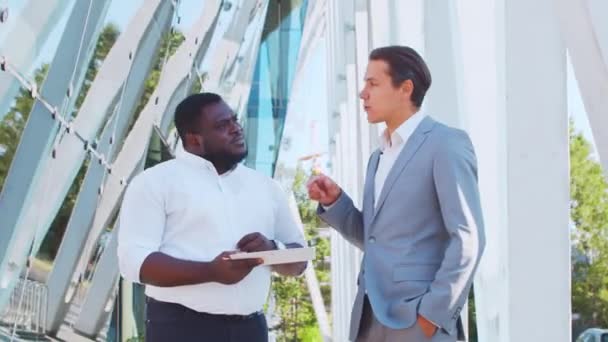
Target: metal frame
33	151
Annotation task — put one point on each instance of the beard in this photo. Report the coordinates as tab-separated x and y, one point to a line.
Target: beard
227	159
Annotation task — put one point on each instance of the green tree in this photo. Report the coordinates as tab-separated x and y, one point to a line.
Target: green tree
589	214
293	302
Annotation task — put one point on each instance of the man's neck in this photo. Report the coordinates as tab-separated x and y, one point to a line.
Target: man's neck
221	166
399	118
221	169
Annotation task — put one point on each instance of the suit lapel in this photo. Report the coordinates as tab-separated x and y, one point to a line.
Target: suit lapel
409	150
369	190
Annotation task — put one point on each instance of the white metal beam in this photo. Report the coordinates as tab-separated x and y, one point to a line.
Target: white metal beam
99	301
33	152
23	43
585	32
173	86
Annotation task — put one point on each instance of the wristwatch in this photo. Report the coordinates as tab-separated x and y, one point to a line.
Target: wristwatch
278	244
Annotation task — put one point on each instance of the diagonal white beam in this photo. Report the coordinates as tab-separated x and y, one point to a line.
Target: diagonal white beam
585	33
33	151
174	84
23	43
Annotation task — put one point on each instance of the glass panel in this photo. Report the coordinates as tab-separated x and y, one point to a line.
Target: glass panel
274	71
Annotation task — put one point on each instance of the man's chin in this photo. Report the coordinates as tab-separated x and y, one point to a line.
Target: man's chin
240	156
372	120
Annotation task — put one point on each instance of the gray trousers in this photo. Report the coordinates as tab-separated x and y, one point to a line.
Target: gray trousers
370	330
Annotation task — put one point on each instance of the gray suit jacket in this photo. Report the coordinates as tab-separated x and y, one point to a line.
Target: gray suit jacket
423	241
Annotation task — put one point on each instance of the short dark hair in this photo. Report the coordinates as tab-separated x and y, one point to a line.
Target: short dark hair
188	112
405	64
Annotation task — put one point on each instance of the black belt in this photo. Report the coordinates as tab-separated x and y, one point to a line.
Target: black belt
230	317
209	315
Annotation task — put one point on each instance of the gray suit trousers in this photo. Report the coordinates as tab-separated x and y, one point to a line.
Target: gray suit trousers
371	330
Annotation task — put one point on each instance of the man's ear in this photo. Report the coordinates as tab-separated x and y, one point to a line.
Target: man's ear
407	88
195	141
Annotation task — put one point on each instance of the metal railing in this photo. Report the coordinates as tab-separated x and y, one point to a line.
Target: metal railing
26	313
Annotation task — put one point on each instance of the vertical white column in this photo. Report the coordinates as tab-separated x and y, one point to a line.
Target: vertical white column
490	60
406	24
537	174
343	108
469	94
443	55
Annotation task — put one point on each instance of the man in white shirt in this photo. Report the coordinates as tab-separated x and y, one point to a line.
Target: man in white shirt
181	219
420	227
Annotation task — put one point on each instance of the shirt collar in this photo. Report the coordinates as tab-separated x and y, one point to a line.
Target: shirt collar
402	133
193	159
197	161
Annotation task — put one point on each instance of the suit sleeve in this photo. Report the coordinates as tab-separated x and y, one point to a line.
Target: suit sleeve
455	178
344	217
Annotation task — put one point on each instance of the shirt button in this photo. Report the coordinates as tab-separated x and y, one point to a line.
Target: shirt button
372	239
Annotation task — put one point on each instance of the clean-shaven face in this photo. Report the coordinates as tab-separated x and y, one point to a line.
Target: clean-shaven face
380	98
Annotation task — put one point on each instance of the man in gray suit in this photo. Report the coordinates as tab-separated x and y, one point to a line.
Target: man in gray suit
421	227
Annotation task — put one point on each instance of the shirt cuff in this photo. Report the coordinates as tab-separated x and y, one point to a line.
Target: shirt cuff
327	207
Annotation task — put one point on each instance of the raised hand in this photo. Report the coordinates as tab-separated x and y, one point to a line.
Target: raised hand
323	190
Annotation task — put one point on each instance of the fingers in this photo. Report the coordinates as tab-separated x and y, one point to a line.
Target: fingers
328	184
239	263
313	180
247	239
315	192
226	255
247	263
253	245
316	188
254	262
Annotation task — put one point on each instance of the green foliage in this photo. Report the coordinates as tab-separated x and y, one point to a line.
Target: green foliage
589	214
294	305
137	339
472	318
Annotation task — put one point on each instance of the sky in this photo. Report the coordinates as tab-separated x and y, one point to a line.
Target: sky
121	12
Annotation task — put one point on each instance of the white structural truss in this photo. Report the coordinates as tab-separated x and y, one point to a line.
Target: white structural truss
499	72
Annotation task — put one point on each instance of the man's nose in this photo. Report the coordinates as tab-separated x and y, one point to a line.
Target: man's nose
363	94
236	128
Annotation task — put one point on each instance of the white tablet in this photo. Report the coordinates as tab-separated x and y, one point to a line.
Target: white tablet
281	256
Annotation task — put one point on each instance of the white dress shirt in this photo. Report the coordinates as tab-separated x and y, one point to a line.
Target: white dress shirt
390	148
183	208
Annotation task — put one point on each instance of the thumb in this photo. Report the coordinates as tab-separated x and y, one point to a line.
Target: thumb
254	262
327	184
226	254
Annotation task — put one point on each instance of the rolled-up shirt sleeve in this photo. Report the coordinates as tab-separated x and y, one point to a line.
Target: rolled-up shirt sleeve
141	226
287	229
